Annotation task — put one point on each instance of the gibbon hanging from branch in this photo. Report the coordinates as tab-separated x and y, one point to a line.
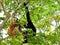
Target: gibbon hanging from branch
11	29
30	23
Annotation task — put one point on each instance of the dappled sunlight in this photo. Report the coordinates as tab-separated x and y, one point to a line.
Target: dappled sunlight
36	22
1	14
4	33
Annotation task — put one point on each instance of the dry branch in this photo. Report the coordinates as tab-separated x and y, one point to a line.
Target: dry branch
7	15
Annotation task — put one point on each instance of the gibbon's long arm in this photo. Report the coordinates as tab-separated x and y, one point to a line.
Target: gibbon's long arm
30	24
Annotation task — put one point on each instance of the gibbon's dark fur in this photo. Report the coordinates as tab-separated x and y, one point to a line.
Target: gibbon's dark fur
30	24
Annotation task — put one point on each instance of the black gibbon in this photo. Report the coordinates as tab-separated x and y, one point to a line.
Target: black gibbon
30	24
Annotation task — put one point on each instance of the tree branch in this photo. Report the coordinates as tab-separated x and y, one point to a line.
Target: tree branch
18	7
8	15
3	7
3	23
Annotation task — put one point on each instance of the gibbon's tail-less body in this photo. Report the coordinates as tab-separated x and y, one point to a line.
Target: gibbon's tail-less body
12	26
11	29
30	24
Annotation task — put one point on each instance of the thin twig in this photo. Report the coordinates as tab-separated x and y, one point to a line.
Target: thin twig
19	6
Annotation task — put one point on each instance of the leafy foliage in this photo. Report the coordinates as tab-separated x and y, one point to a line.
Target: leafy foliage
42	14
